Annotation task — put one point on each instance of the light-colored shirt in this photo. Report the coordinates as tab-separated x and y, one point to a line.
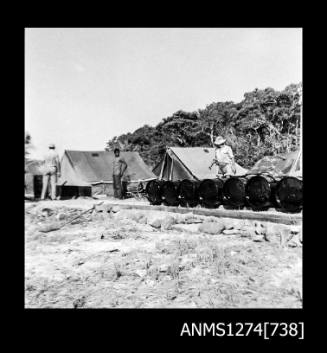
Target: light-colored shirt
51	159
224	154
118	162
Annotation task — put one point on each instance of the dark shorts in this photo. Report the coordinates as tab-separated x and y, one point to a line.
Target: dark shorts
119	187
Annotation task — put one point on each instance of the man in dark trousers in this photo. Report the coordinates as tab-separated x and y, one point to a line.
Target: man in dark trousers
119	168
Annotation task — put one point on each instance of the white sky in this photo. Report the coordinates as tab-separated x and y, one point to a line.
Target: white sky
84	86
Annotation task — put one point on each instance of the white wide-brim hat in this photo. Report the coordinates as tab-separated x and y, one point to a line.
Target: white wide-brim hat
219	140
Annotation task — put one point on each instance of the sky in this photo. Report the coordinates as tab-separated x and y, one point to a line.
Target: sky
83	86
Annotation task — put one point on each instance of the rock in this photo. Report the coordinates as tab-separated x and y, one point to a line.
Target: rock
47	212
167	222
156	223
211	227
117	235
98	208
249	230
245	233
123	214
231	231
142	220
105	209
115	209
258	238
228	226
136	216
187	218
141	273
260	228
49	227
79	303
60	216
189	228
294	244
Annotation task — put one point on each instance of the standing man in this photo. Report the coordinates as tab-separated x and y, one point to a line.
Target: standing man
119	168
224	158
51	171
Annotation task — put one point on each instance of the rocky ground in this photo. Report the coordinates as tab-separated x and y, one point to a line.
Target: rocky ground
116	258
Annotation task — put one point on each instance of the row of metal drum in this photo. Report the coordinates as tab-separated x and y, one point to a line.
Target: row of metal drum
259	193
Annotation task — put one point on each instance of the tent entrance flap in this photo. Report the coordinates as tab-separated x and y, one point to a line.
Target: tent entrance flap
173	169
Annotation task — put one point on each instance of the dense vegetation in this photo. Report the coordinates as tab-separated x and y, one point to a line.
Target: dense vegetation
265	122
28	144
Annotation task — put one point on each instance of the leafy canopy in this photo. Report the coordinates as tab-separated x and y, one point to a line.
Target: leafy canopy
265	122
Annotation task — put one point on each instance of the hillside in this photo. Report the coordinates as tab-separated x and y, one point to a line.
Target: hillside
265	122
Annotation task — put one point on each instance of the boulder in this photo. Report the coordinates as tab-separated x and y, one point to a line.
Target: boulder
136	216
247	231
49	227
228	226
60	216
260	228
211	227
187	218
115	209
143	220
155	223
167	222
47	212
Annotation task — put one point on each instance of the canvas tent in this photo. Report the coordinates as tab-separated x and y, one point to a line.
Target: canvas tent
189	163
282	164
33	177
92	170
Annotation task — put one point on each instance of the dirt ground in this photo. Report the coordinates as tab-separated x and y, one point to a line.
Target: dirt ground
123	259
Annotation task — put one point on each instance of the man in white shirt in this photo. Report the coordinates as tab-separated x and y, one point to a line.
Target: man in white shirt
224	158
51	170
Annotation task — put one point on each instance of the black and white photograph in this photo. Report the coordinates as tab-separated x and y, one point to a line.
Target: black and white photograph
163	168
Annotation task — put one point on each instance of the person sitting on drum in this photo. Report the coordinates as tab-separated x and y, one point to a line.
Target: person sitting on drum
224	158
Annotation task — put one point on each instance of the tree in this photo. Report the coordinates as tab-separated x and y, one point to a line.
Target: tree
28	143
265	122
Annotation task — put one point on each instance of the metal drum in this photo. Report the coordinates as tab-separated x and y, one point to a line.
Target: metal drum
153	191
210	193
234	193
169	193
289	195
259	190
188	193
